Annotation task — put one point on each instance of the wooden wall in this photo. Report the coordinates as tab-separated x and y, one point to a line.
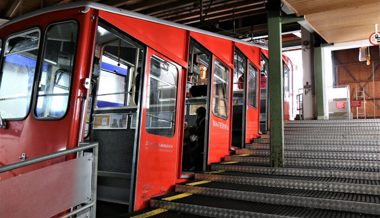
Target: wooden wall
359	76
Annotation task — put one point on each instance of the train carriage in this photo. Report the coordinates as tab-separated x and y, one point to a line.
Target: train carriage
162	100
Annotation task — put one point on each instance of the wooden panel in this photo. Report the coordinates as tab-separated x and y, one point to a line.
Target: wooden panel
304	7
347	24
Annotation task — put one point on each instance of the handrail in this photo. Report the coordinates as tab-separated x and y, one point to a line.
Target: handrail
46	157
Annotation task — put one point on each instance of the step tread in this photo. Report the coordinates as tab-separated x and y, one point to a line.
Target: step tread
373	199
305	178
205	203
159	213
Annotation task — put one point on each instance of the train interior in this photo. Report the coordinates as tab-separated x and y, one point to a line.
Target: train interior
112	111
195	138
238	119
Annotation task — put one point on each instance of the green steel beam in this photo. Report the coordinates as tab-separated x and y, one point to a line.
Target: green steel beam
287	19
318	79
275	78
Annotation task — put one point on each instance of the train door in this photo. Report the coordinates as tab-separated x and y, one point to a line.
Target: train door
252	113
160	126
195	137
264	101
239	99
39	89
220	116
112	111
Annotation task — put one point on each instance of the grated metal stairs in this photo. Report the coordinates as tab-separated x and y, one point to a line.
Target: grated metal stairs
331	169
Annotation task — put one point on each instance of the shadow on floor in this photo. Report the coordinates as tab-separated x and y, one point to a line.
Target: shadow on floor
110	210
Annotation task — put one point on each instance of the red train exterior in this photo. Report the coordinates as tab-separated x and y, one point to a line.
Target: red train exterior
142	130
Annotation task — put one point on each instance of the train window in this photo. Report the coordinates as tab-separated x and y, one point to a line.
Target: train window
57	68
286	78
240	68
220	90
252	86
18	71
161	109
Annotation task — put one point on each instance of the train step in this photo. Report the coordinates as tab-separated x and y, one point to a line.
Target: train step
331	163
331	184
228	208
356	203
333	155
332	148
350	173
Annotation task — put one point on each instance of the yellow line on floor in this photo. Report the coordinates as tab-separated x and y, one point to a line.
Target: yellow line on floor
216	171
230	162
176	197
244	155
198	183
151	213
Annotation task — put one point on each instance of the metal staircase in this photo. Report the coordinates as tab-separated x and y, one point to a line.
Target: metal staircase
331	169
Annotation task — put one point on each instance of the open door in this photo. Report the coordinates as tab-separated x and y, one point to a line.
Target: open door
219	128
159	147
239	100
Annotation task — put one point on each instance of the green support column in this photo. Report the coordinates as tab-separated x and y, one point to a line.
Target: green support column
318	79
275	83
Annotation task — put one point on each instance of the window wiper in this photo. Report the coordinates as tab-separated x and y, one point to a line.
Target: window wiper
3	123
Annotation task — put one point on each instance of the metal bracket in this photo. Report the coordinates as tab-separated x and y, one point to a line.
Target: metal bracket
3	123
23	156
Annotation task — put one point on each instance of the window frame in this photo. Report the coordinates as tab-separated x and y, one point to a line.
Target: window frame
228	88
174	124
36	72
39	75
257	85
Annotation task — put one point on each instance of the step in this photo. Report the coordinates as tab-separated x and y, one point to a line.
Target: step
350	173
331	184
333	155
356	203
334	121
261	140
337	128
255	152
329	163
312	141
159	213
228	208
329	148
302	131
333	137
248	159
258	146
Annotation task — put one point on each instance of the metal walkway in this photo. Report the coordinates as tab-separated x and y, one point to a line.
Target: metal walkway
331	169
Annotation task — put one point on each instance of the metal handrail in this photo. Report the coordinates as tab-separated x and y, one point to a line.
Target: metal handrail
46	157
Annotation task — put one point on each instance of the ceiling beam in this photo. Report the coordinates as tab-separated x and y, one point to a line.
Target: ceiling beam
217	11
225	15
148	4
11	12
119	3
